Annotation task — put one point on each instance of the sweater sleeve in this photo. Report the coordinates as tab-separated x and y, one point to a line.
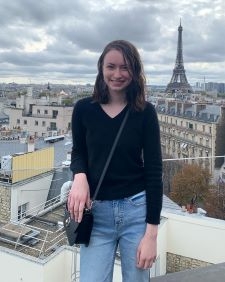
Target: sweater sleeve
79	149
152	165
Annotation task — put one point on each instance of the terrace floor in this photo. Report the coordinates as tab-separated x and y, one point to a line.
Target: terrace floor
212	273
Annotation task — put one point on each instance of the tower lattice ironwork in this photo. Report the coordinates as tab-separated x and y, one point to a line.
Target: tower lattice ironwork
179	82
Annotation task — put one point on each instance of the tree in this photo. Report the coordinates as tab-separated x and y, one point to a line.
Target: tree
68	102
190	185
215	202
170	168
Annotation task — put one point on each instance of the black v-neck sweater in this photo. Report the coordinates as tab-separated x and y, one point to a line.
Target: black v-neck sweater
136	164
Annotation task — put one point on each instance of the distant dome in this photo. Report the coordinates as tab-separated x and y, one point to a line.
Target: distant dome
63	93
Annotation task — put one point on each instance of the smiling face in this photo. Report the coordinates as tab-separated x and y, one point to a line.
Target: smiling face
116	72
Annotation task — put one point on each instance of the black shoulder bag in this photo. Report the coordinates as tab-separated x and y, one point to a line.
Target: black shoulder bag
80	233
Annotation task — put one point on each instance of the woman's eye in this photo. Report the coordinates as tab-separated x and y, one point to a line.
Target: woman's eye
110	67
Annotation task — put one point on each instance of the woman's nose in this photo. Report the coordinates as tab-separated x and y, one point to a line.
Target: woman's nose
117	72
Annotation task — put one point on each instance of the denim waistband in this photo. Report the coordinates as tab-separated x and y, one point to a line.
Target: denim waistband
138	195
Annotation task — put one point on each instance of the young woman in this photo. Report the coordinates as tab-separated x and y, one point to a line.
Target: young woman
128	205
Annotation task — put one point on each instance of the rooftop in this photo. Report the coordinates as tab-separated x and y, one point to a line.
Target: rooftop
40	237
41	232
210	273
43	236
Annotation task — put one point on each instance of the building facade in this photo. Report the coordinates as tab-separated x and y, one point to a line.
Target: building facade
192	130
39	116
25	182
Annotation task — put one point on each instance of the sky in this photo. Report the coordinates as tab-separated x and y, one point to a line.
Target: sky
60	41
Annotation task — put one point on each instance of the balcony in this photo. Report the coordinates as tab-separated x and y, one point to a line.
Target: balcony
41	116
33	243
184	128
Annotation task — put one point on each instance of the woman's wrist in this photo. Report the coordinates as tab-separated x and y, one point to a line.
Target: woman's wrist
80	175
151	231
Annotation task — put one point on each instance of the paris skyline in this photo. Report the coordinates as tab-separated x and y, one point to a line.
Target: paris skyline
61	42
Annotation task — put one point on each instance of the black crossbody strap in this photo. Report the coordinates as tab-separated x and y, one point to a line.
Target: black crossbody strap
110	154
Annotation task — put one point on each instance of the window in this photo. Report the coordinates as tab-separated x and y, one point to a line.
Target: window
22	211
203	128
43	123
38	112
25	121
54	114
183	146
46	112
210	129
36	123
53	126
18	121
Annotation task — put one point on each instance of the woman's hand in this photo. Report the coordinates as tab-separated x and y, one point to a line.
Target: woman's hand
147	249
79	196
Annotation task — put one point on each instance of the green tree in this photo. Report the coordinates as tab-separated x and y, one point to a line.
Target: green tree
68	101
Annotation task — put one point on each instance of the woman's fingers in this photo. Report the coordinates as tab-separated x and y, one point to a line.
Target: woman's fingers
79	213
79	196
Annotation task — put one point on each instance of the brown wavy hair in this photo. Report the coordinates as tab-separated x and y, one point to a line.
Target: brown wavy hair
135	93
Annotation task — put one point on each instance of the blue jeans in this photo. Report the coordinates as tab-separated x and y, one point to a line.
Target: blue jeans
117	224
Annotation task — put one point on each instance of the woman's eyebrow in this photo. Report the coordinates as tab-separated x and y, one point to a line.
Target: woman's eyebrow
125	64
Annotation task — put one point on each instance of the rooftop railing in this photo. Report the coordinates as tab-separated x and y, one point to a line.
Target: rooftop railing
37	229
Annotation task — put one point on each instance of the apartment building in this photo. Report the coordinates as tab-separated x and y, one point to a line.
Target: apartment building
191	129
4	119
25	180
38	116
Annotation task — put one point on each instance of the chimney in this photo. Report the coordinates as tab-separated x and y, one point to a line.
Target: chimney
185	106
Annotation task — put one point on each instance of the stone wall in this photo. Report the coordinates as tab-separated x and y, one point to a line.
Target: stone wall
176	263
5	202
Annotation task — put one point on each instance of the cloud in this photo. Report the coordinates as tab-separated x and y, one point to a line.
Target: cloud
61	41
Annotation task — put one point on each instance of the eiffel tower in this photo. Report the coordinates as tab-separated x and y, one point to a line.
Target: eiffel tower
178	82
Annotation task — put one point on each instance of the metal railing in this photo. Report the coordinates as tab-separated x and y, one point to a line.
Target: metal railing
39	230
